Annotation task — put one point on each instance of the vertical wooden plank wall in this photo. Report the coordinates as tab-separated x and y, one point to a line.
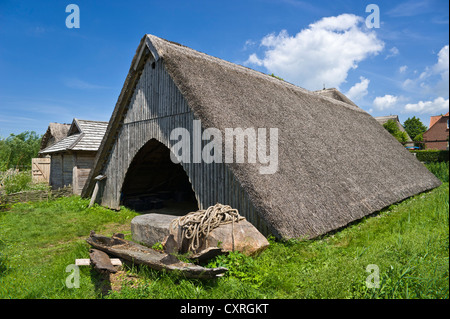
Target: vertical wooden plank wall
56	171
83	163
67	174
156	108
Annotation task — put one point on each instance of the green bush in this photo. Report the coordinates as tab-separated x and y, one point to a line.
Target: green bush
429	156
20	181
439	169
17	182
392	128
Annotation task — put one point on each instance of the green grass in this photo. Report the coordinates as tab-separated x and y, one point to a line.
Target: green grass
409	243
439	169
38	240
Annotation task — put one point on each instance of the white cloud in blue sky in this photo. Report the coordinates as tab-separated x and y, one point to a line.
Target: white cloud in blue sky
359	90
321	54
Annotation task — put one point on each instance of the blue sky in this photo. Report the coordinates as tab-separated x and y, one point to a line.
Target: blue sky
50	73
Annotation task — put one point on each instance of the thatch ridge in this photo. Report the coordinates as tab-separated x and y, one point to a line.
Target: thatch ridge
335	94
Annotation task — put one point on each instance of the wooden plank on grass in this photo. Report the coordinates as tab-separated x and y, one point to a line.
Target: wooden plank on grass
87	262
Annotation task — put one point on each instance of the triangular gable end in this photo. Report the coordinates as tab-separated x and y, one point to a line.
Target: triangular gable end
74	128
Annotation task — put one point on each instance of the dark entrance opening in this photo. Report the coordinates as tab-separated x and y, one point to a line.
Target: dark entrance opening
155	184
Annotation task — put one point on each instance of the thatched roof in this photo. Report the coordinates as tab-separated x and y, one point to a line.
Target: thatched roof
335	94
82	135
55	132
336	163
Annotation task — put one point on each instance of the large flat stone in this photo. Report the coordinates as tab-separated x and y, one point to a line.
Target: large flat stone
247	239
149	229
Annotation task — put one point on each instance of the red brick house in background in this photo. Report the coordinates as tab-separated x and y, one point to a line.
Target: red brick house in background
436	137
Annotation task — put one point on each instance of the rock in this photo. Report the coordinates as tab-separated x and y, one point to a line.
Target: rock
149	229
247	239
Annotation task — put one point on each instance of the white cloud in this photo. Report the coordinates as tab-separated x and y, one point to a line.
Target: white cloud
392	52
442	68
253	59
431	107
403	68
385	102
321	54
359	90
442	65
434	79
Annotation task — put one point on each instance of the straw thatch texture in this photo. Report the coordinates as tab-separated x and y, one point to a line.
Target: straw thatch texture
55	132
336	163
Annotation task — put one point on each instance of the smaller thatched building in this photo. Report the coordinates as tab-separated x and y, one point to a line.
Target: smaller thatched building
73	156
55	133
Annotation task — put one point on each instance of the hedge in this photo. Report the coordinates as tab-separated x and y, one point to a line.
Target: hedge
431	155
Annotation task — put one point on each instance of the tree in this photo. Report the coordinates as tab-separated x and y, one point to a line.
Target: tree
18	150
418	141
413	126
391	127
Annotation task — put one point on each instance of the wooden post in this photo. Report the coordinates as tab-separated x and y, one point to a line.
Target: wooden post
94	194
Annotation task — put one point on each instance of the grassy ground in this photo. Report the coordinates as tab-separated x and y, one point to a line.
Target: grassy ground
408	242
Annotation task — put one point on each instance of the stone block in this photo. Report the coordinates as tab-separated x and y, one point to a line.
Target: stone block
247	239
149	229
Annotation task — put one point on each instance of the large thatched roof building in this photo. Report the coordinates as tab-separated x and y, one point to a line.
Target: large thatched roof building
336	163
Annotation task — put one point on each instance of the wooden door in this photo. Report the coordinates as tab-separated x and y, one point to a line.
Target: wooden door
40	170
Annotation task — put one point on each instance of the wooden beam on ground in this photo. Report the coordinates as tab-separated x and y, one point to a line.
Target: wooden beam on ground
87	262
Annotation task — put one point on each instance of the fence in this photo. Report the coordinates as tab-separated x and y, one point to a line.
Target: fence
29	196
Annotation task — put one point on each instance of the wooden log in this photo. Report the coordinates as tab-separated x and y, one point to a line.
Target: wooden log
101	261
142	255
208	254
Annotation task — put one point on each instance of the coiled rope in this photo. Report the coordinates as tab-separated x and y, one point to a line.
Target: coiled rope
196	226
